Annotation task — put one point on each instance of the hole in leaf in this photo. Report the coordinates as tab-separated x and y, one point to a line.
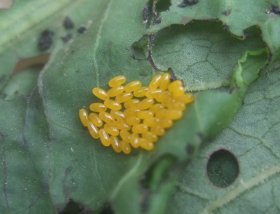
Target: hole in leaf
163	5
222	168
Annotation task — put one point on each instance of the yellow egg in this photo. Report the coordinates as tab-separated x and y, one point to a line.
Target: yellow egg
146	144
94	118
135	140
117	81
116	144
151	121
154	93
156	107
150	137
126	148
165	81
97	107
124	97
162	114
140	128
141	92
93	130
121	125
113	92
179	106
106	117
111	104
112	130
155	82
186	98
132	86
104	137
157	130
117	115
144	114
131	103
125	135
130	112
132	120
83	117
173	114
100	93
176	88
145	104
165	123
168	102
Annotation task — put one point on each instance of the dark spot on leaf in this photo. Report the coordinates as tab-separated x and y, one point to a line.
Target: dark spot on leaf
107	209
222	168
146	13
151	39
73	207
227	12
157	20
66	38
186	3
68	23
82	29
275	10
190	149
45	40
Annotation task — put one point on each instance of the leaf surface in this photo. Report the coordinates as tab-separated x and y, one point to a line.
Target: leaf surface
237	16
253	140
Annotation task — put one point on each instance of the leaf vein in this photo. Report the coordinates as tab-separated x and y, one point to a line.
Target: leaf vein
242	188
97	41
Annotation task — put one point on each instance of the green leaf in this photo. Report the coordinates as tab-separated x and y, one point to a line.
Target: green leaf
21	27
237	16
23	190
67	162
65	87
252	139
202	53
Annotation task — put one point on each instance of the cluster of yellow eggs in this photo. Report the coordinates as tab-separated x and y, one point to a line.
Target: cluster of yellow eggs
131	116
